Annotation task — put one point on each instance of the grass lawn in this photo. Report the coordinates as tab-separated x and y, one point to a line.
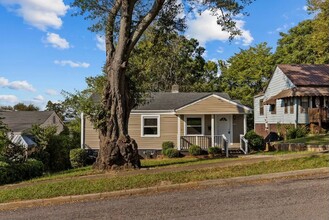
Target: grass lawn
312	140
283	152
84	186
148	163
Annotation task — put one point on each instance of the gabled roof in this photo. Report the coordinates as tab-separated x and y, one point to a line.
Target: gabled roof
166	101
19	121
306	75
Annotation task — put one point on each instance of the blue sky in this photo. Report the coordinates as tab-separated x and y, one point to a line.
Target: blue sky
44	50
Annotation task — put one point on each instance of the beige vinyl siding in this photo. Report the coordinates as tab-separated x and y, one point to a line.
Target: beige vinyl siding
168	131
91	135
212	105
50	122
182	125
237	127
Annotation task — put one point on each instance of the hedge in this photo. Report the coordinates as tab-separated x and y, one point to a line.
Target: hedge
15	172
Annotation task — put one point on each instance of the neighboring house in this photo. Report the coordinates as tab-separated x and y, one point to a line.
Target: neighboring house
205	119
20	122
295	95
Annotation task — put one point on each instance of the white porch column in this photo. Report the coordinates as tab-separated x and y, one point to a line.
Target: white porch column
296	111
244	124
212	130
82	140
178	132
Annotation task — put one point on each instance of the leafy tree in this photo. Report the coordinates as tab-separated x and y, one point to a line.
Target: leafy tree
22	107
7	108
52	149
246	73
295	47
56	107
123	22
308	42
4	140
320	36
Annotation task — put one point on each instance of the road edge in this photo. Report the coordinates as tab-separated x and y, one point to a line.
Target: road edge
167	187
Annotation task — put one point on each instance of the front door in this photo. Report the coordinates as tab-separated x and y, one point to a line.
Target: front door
224	126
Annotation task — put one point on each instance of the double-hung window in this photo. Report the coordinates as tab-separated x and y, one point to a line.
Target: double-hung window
150	126
194	126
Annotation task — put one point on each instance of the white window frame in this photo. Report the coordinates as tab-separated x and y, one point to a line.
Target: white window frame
194	116
158	125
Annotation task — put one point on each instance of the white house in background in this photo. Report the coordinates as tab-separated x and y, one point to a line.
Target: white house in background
295	95
20	122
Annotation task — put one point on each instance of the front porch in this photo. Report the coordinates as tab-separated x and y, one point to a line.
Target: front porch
225	131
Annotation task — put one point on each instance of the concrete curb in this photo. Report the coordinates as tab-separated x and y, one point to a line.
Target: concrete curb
164	188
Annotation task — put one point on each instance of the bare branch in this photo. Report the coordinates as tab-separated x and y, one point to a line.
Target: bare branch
109	36
145	22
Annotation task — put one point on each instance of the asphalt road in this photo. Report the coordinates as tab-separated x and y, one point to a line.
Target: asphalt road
285	199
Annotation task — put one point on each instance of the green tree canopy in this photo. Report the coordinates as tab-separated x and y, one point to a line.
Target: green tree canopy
246	73
22	107
308	42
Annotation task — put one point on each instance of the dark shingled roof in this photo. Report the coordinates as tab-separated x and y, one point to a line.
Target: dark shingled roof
307	75
19	121
172	101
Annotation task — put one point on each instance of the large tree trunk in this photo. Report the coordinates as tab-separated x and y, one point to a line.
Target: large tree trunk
117	149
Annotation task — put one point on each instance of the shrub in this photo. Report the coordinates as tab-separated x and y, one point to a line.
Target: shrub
214	150
59	153
78	157
195	150
167	145
171	153
298	132
15	172
255	141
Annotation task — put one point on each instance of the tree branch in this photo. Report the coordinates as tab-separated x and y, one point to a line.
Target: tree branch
145	22
109	41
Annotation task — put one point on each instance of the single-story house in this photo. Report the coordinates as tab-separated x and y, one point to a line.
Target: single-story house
295	95
204	119
19	122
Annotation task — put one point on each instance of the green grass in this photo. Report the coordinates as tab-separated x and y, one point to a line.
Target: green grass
283	152
184	161
148	163
84	186
311	140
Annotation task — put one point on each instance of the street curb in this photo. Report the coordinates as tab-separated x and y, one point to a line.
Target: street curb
163	188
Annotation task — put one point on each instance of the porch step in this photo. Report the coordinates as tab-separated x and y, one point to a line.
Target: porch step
234	151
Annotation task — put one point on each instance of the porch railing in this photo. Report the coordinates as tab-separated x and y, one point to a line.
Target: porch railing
204	141
243	144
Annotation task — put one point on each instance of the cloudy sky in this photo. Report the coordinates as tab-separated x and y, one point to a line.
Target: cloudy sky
44	50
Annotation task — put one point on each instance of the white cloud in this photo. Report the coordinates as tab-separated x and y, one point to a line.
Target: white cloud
16	85
204	28
100	42
38	98
220	50
71	63
51	92
3	81
305	7
8	98
56	41
41	14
